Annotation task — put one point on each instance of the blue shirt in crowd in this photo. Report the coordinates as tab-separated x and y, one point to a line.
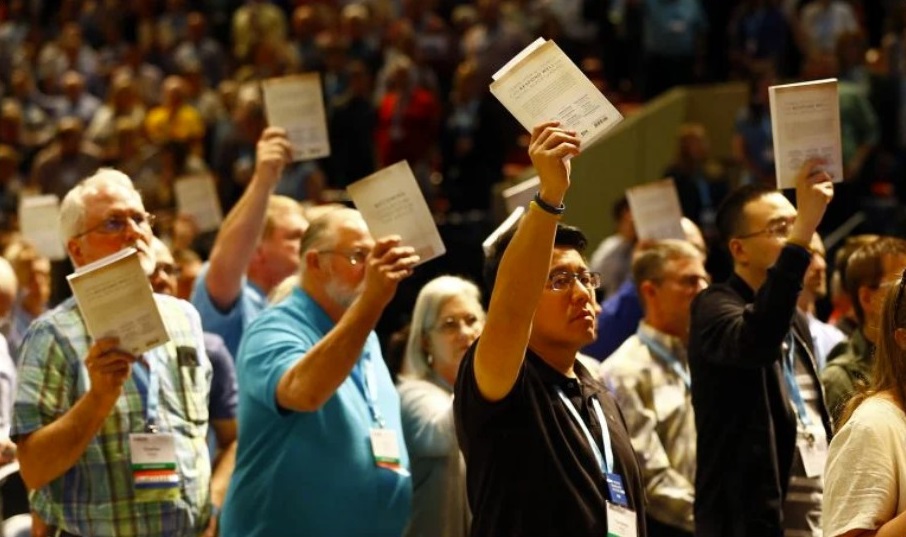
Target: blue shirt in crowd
231	323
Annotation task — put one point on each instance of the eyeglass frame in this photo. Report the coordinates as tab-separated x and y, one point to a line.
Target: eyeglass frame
355	257
122	221
574	277
771	229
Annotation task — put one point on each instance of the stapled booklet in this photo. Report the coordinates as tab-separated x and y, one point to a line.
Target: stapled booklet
115	299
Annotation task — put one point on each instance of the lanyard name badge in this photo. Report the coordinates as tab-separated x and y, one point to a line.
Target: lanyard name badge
384	444
666	356
621	520
812	447
154	473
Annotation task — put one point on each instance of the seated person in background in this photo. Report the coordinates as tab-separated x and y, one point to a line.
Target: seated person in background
865	476
447	319
33	274
843	315
649	375
869	270
546	448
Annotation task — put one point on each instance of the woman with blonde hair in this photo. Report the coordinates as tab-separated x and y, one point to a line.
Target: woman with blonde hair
447	319
865	476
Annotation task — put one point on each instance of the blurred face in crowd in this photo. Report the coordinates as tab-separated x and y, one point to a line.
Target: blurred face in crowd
187	271
164	278
38	284
669	297
280	249
342	264
114	218
767	222
459	323
815	281
565	315
872	298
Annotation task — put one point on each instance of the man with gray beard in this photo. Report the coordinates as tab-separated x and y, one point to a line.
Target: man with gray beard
319	418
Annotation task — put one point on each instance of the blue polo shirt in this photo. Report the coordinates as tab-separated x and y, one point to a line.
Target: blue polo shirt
229	324
311	473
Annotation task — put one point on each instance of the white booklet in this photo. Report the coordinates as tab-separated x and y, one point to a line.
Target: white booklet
488	245
521	195
39	221
805	122
542	84
656	210
115	299
296	103
392	203
196	196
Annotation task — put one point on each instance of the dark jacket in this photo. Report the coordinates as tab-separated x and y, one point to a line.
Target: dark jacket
746	424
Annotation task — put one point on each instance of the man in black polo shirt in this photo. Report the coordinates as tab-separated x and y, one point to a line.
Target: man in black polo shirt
547	452
762	424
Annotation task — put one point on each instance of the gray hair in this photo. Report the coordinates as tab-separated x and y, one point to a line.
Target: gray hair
430	300
648	264
73	208
320	232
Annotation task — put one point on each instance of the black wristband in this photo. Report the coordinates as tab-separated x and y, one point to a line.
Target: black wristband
547	207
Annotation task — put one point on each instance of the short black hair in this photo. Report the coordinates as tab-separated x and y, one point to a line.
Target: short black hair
729	214
565	237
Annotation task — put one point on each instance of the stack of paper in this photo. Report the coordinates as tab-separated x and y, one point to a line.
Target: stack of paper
392	204
115	299
805	122
542	84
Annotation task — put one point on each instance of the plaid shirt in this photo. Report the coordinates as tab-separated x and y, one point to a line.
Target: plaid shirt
95	497
657	407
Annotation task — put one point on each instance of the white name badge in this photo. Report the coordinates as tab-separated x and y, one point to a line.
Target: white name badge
621	521
812	447
385	448
154	472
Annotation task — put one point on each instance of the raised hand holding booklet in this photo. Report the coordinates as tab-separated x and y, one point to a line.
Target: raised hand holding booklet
115	299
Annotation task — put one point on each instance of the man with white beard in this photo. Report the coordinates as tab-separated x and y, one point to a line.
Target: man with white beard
321	450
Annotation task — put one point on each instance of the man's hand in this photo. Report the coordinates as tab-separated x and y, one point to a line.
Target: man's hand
386	266
272	154
549	148
108	368
212	530
814	192
7	451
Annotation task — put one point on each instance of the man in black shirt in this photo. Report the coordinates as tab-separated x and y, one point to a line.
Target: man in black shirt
759	410
547	452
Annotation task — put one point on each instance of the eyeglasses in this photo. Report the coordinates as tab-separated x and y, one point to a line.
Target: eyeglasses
561	280
451	325
118	223
778	229
355	257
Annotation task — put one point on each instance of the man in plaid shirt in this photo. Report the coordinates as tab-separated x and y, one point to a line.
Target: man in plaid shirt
84	406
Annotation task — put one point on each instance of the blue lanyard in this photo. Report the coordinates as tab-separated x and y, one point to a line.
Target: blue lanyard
364	377
661	352
147	382
605	461
789	372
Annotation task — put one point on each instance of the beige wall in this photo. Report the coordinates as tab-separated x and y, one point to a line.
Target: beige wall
642	146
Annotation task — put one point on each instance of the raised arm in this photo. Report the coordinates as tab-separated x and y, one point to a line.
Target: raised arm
314	378
524	268
242	228
49	452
